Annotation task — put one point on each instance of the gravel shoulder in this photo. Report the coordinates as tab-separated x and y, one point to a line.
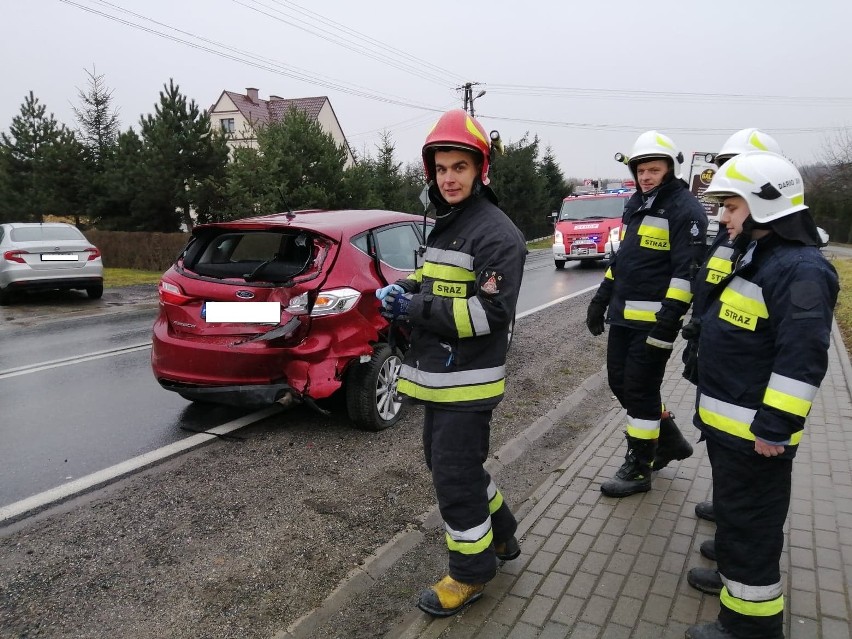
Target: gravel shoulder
243	537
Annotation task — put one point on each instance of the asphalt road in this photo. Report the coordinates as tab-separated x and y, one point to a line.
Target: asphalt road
78	395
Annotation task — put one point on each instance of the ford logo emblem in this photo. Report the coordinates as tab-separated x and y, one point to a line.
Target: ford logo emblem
245	295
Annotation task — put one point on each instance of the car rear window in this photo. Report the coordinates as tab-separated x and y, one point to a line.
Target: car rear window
263	255
46	233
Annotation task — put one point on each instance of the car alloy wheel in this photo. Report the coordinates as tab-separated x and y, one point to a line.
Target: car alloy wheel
371	396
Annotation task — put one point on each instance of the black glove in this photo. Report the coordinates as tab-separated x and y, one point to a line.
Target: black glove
595	317
661	338
691	330
690	360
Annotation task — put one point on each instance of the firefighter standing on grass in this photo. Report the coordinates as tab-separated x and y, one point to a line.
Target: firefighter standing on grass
647	291
460	304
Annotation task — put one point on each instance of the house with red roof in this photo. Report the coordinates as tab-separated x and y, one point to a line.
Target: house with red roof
240	114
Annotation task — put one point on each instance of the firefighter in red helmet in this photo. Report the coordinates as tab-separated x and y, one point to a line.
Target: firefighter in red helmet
460	304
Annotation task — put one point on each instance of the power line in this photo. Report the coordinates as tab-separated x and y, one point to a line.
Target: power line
632	128
253	60
342	27
627	94
338	40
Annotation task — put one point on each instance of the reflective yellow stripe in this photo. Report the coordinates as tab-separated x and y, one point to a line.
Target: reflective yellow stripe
679	290
787	403
655	227
745	296
462	318
416	276
797	199
495	502
720	264
641	311
451	273
790	395
643	428
608	275
451	393
751	608
731	419
468	547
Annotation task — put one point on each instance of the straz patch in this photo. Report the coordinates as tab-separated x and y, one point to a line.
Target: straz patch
737	317
491	281
654	243
449	289
714	277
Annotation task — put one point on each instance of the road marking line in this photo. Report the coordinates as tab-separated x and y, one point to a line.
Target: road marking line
36	368
19	509
554	302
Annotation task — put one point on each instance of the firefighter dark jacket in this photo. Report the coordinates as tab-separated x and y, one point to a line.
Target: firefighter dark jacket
661	246
465	289
765	330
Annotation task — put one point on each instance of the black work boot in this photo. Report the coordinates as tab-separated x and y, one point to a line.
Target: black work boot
705	579
708	549
507	550
634	476
704	510
713	630
671	444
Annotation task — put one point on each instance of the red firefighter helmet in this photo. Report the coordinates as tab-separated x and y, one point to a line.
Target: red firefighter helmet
456	129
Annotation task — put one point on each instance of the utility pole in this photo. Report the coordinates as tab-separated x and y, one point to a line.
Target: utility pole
469	97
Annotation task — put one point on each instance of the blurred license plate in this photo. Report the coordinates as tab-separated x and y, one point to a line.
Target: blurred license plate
59	257
242	312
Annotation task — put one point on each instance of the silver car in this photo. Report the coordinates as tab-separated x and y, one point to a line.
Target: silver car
51	255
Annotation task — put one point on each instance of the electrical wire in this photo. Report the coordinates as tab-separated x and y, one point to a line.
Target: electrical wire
335	39
253	60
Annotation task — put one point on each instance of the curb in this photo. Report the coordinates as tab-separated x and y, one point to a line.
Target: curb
360	579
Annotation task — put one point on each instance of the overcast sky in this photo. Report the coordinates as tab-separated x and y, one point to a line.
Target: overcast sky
586	77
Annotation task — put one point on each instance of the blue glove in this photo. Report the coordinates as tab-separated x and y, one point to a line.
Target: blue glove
395	305
381	293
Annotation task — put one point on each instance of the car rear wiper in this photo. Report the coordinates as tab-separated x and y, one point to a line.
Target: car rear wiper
251	277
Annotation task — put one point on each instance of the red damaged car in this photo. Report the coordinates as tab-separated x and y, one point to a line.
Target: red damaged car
282	308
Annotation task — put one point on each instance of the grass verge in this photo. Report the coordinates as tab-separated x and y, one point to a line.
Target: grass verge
540	244
114	277
843	310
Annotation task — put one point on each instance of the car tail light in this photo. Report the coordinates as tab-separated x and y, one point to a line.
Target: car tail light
94	253
14	256
335	301
172	293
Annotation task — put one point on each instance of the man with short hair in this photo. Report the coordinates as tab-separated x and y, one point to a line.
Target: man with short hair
645	293
460	304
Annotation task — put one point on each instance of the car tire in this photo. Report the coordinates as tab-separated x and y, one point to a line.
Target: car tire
95	292
5	297
371	398
560	264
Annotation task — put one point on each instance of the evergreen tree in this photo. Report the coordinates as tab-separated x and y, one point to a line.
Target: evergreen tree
521	187
556	187
180	152
27	162
97	119
303	165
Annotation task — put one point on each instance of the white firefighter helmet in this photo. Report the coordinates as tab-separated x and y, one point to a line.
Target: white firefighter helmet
769	183
653	145
746	140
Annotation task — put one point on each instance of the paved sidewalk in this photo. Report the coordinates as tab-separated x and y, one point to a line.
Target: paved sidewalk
594	567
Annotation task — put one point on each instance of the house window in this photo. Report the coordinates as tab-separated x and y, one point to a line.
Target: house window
227	125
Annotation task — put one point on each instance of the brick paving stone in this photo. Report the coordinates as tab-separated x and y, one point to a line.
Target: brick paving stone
595	567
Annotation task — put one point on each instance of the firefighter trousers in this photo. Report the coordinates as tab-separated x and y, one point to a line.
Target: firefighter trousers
455	444
751	496
635	373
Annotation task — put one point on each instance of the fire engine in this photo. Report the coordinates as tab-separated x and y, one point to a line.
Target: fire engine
588	227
